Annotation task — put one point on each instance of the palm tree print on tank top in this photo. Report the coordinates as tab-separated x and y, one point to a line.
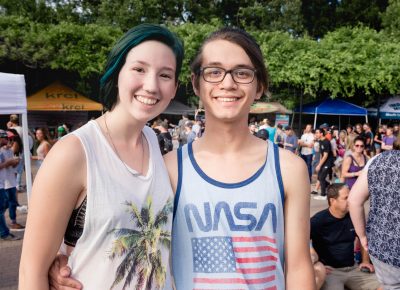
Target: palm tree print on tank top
141	248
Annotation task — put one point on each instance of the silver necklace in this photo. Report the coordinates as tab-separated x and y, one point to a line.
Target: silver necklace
116	152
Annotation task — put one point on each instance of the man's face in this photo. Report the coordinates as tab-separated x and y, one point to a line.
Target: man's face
226	100
340	203
308	129
317	134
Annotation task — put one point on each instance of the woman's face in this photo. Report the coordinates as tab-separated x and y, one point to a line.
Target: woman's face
226	100
146	82
342	135
39	135
358	146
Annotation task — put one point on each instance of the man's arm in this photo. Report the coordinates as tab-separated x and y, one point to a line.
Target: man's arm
358	195
298	267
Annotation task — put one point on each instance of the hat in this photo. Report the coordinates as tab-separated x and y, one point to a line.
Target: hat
3	134
61	129
324	126
263	134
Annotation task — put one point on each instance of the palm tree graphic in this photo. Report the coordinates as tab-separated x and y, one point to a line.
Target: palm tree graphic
141	248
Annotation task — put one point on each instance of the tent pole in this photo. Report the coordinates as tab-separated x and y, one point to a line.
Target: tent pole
27	155
315	120
366	118
291	125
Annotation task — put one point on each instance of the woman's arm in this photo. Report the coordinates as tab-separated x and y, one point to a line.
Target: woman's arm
358	195
345	168
58	184
298	266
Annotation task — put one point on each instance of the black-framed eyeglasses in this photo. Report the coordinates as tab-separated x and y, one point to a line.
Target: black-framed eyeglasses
241	75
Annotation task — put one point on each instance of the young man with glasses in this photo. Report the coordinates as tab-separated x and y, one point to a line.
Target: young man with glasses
230	230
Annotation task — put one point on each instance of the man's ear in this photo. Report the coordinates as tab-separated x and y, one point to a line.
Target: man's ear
194	85
260	91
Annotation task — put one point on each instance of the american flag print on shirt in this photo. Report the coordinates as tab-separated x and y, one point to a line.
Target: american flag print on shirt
234	263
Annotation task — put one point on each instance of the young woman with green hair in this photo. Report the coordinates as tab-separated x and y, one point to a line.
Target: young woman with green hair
109	200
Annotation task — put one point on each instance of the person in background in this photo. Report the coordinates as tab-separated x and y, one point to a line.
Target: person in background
14	124
341	143
327	130
333	238
388	140
326	161
44	147
263	134
291	141
378	139
181	129
266	124
351	134
5	164
12	150
380	236
334	172
396	129
369	139
253	128
164	138
319	268
359	129
198	127
306	144
190	135
354	163
279	136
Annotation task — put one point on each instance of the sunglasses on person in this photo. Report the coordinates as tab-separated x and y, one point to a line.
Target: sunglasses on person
359	146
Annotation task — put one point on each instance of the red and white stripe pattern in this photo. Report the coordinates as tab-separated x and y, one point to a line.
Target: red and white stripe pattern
235	263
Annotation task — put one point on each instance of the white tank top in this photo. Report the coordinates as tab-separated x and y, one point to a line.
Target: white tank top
228	235
127	230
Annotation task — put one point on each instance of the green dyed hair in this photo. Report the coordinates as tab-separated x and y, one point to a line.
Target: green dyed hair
117	56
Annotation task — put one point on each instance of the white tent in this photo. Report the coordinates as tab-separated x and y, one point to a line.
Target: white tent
390	109
13	101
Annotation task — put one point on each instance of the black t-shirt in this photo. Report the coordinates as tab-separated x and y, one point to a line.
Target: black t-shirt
165	142
325	146
333	239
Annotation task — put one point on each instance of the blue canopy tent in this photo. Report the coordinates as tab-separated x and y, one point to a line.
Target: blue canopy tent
330	106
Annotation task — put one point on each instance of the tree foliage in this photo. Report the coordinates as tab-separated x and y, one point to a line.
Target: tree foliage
75	36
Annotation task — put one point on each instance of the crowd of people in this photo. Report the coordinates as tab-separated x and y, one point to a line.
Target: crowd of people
332	154
228	209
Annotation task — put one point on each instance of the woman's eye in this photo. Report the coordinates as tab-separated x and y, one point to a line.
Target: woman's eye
166	76
138	69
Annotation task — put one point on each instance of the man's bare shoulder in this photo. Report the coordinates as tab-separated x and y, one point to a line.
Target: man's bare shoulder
294	173
290	161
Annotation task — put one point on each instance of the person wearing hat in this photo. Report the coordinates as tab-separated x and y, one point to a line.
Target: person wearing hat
263	134
5	163
291	140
